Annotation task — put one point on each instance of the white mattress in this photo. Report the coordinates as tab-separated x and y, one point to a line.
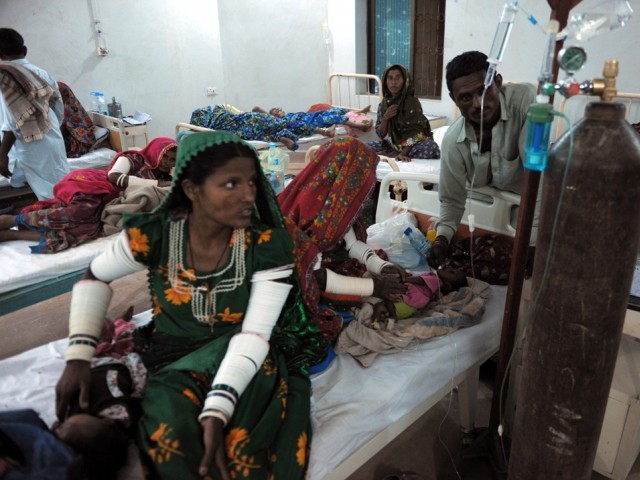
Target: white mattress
350	404
416	165
260	145
99	158
20	267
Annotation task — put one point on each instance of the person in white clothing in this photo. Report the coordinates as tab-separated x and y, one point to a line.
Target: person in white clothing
31	110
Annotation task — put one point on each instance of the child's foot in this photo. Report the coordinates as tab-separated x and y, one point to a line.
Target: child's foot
366	109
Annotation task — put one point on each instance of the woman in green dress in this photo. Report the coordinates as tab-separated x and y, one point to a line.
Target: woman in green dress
229	346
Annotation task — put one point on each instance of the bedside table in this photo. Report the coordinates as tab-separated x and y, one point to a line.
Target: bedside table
122	135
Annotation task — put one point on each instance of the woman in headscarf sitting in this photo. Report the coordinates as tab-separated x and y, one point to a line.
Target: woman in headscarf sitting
73	215
229	345
403	129
322	207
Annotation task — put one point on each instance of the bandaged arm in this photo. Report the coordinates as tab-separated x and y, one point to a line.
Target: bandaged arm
247	349
90	298
363	253
122	167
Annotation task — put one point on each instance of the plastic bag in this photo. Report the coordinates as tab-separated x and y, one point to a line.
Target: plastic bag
389	236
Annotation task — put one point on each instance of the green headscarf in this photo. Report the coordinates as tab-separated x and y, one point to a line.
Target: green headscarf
410	121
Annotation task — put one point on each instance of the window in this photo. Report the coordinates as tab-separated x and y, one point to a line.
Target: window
409	32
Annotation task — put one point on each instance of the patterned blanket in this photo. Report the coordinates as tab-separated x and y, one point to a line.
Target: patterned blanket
461	308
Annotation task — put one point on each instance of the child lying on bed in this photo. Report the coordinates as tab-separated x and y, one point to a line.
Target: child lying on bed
100	433
421	289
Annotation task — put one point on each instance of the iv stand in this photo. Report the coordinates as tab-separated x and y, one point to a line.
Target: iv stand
559	11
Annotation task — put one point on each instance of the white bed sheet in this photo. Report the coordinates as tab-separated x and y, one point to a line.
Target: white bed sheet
350	404
21	268
416	165
99	158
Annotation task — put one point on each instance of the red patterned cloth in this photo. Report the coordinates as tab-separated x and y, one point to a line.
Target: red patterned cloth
77	126
320	205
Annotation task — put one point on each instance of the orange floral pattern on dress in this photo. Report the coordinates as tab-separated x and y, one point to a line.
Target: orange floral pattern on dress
265	236
240	464
227	316
187	392
138	241
247	239
175	297
166	447
301	455
283	391
157	308
269	367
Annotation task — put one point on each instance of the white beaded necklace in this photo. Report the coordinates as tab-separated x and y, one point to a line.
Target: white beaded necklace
203	298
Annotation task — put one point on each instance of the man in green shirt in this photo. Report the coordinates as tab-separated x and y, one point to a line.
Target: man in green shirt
497	160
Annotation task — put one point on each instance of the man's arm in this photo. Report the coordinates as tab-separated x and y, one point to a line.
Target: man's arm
451	189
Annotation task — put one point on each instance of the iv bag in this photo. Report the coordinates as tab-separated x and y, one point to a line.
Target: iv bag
606	16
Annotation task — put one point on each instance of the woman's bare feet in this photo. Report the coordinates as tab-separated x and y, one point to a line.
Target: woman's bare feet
287	142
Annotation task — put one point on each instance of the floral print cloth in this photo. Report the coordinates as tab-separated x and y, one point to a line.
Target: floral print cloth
77	126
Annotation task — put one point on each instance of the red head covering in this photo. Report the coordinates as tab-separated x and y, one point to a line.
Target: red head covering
322	203
152	153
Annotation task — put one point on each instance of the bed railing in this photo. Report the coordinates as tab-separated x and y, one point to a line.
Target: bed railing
574	106
494	210
354	90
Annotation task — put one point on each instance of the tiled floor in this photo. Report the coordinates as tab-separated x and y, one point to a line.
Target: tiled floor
431	446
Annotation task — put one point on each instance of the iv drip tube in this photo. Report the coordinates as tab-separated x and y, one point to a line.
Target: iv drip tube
500	39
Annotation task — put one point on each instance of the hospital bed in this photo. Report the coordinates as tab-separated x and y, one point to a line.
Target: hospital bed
27	278
355	411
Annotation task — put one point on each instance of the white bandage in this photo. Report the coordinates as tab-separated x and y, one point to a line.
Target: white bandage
244	357
121	165
89	302
265	305
362	287
140	181
363	253
116	261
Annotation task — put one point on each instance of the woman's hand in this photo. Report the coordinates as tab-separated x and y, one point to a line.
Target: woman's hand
213	439
391	112
392	269
74	382
403	158
388	287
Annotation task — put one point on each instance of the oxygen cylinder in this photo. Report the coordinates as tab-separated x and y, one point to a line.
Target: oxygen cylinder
573	335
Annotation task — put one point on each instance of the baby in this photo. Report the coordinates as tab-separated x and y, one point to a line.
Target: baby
101	433
421	290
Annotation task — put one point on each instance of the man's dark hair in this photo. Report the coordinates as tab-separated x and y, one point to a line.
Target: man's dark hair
11	42
465	64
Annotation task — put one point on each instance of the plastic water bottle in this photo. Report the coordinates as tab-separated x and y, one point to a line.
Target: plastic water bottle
418	241
98	103
277	164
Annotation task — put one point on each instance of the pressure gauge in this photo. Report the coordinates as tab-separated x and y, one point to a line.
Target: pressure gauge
572	59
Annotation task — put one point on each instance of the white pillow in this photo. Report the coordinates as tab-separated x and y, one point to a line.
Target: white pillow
438	134
100	133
